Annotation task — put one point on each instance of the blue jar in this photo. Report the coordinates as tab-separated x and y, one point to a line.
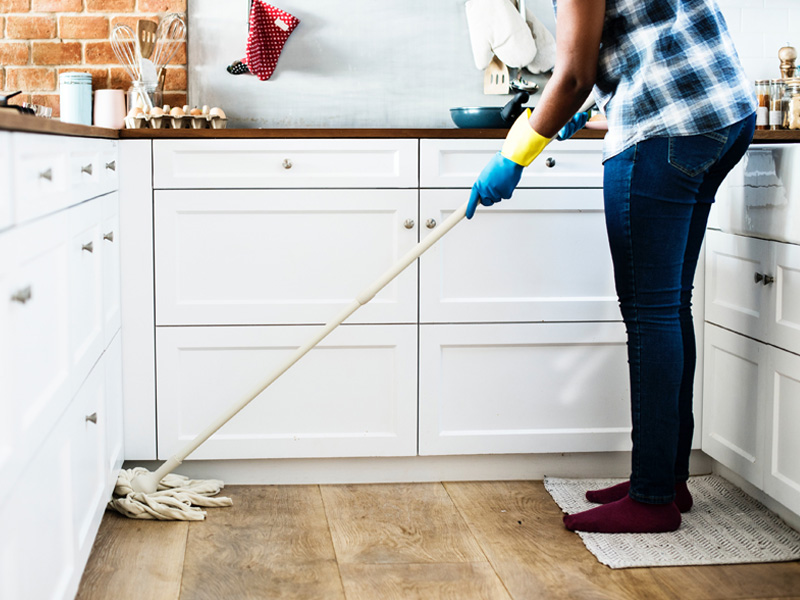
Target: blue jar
75	91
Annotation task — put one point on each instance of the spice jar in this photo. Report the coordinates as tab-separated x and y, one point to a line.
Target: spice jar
791	104
776	104
762	112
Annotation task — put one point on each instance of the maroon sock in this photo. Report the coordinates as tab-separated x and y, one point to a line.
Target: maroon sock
626	516
683	497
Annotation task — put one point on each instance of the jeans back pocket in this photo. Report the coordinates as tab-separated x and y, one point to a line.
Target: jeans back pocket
695	154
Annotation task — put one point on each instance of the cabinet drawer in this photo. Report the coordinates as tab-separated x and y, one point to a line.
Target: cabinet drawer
41	175
786	325
6	184
274	257
504	389
538	257
352	395
456	163
285	163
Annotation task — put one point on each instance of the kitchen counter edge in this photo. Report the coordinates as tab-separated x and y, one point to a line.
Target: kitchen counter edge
25	123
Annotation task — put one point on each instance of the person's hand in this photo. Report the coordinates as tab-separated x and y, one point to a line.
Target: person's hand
498	180
576	123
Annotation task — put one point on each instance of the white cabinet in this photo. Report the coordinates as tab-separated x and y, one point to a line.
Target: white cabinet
353	395
752	362
6	184
61	370
782	467
736	375
523	387
541	256
110	241
282	256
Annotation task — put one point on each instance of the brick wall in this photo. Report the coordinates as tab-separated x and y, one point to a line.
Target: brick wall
41	38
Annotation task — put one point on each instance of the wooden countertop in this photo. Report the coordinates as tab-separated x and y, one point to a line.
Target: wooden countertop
11	121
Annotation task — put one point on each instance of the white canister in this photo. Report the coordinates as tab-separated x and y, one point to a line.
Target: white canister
109	109
76	97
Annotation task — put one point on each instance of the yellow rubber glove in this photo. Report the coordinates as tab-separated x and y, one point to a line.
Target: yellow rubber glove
522	143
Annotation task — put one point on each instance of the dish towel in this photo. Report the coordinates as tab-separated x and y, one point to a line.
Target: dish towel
270	27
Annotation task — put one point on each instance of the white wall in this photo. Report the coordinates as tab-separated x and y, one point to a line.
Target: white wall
367	63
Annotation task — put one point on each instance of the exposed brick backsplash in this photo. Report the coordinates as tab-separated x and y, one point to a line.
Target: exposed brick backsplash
39	39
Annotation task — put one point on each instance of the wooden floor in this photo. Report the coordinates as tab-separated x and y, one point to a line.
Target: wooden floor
459	541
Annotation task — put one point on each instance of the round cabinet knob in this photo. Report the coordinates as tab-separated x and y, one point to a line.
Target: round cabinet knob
768	279
111	166
430	223
92	418
48	175
408	223
22	296
89	247
87	169
287	164
758	277
550	162
109	237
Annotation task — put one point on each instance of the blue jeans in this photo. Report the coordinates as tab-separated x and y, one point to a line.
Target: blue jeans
657	198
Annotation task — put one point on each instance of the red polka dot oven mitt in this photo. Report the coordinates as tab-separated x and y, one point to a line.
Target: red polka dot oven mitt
270	27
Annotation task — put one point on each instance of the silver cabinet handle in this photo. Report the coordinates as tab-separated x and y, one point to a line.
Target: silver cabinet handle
109	236
430	223
89	247
92	418
22	296
763	278
408	223
46	175
111	166
287	164
550	162
87	169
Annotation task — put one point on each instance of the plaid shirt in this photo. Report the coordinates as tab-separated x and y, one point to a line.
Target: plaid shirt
668	68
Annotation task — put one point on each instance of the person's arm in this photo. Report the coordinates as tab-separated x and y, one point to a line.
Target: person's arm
579	28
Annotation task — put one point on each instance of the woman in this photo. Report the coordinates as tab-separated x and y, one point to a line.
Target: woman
680	115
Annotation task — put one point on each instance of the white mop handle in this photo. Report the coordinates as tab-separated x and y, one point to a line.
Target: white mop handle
364	297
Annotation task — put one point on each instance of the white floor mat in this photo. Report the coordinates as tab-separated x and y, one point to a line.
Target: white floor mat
725	526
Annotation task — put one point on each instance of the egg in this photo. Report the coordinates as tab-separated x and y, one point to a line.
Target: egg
195	112
217	112
136	110
177	112
167	108
157	112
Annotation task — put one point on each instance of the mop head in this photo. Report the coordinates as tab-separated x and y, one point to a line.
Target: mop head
178	498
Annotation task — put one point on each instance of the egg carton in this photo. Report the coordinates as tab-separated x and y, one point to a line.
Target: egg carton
180	121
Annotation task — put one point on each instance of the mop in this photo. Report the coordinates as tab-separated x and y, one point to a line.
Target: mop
163	495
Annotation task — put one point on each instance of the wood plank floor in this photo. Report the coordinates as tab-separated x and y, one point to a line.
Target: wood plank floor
459	541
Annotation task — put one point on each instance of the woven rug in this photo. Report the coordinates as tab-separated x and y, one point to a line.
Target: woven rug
725	526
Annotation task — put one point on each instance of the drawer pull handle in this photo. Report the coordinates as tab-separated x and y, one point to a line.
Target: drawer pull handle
430	223
111	166
550	162
92	418
287	164
46	175
89	247
22	296
408	223
87	169
763	278
109	236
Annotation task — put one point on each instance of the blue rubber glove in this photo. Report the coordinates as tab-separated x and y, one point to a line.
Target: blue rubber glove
498	180
575	124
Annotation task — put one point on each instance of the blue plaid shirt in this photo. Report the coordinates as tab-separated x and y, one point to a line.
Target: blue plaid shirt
668	68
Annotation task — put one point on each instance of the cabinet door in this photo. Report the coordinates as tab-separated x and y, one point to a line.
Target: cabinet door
8	409
542	256
86	288
280	257
736	295
39	317
352	395
109	254
782	473
115	433
503	388
785	328
41	175
735	383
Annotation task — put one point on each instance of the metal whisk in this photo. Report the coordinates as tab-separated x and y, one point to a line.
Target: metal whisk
171	33
125	44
